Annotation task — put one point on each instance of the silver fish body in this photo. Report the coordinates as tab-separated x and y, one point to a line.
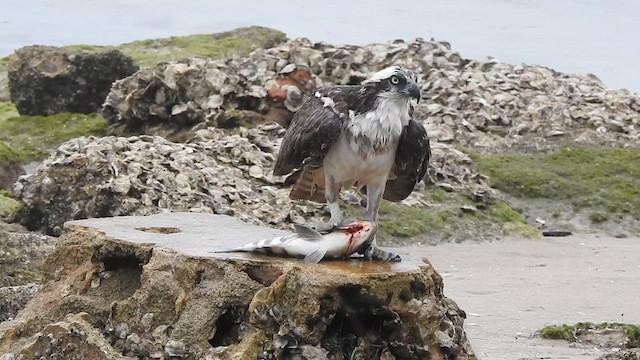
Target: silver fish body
309	244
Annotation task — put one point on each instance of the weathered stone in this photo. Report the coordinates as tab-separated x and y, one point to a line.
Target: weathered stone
632	354
244	306
14	298
22	255
71	338
45	80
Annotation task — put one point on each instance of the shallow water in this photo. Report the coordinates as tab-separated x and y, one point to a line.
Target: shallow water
569	35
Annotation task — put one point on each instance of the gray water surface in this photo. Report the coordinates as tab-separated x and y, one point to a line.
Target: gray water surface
596	36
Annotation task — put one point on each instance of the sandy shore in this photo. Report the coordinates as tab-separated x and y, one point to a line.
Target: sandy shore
513	287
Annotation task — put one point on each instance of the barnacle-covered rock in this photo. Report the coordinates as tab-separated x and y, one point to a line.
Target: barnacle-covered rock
216	172
177	96
632	354
152	287
22	254
14	298
45	80
484	104
71	337
96	177
454	170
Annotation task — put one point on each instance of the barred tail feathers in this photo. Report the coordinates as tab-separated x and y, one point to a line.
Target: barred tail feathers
309	185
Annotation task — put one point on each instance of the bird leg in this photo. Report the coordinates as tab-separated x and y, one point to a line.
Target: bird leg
332	193
372	251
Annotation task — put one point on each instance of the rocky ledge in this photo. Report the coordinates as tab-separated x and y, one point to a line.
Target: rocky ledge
151	287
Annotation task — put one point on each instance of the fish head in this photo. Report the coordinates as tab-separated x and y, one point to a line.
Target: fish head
360	233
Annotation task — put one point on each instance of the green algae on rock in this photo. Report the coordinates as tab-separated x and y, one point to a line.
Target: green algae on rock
32	137
9	206
7	110
149	52
237	42
449	216
10	168
603	334
600	181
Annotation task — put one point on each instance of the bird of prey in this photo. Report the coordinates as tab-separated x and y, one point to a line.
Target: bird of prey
357	135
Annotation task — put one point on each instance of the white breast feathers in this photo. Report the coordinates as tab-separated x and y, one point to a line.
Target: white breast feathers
381	126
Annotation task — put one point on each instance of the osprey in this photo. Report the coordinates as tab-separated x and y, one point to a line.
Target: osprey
362	135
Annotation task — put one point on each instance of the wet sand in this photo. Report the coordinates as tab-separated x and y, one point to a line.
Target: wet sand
512	288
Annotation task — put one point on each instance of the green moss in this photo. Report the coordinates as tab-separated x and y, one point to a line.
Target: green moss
555	332
8	206
7	110
402	221
8	154
523	230
513	222
238	42
90	48
31	137
149	52
504	213
446	218
571	332
605	180
598	217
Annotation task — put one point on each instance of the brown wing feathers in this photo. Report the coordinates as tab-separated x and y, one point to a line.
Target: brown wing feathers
315	127
312	131
412	160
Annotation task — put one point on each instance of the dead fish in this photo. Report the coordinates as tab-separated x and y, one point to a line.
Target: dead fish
314	246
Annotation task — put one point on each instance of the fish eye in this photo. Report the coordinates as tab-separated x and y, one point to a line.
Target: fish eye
394	80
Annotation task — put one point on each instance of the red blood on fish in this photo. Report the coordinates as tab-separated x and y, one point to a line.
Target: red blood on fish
352	229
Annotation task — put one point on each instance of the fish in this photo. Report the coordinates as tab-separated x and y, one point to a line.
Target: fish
313	246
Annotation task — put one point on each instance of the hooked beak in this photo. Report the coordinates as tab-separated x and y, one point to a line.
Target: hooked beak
413	90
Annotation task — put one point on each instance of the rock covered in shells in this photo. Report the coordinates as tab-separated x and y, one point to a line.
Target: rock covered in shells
452	170
217	172
484	104
110	176
492	105
180	95
632	354
22	254
14	298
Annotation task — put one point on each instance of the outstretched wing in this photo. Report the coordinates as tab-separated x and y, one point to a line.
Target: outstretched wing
314	128
412	160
